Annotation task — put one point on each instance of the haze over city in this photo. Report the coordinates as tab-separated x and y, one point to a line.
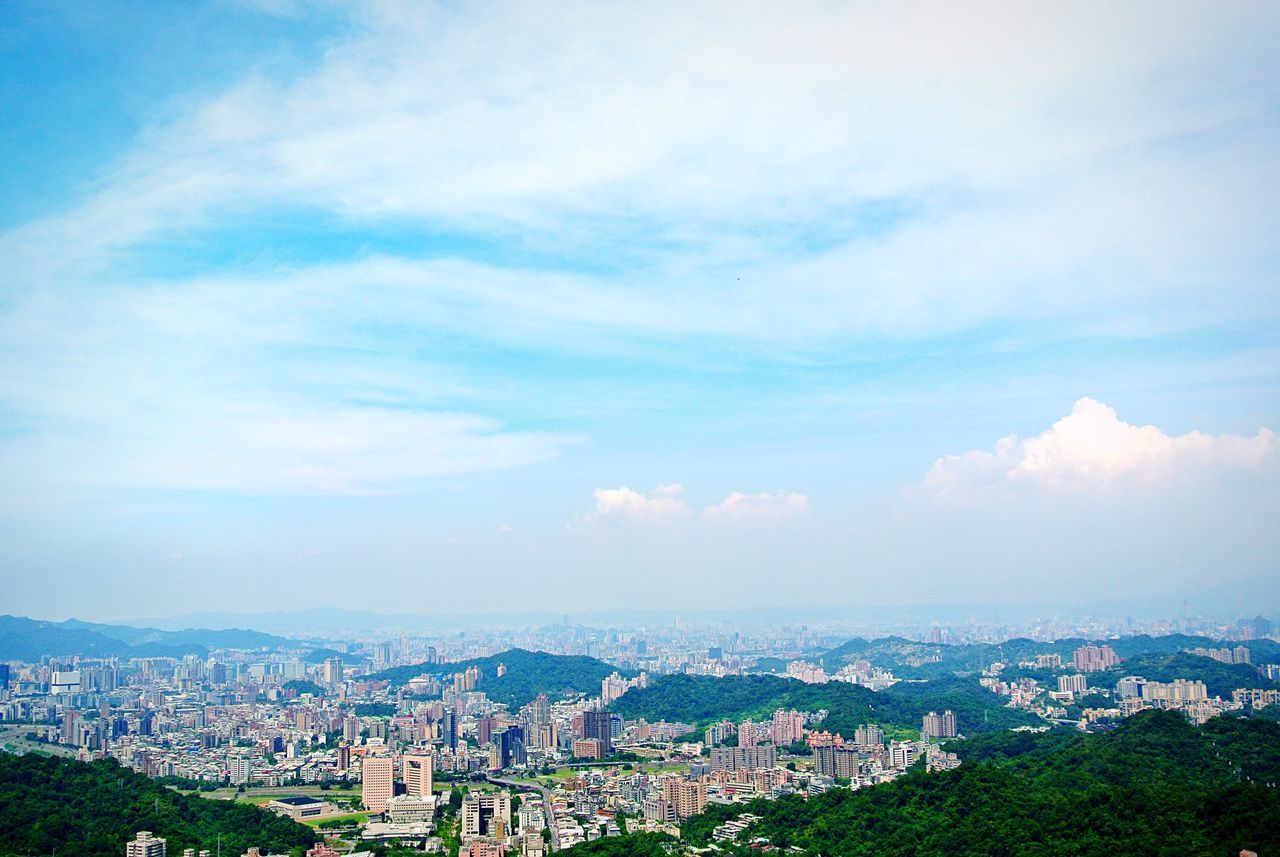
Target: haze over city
559	308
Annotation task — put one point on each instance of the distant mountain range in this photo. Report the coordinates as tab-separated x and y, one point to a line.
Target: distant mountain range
30	639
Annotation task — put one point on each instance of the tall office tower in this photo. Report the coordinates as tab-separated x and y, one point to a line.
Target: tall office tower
869	735
344	756
144	845
417	774
510	744
484	729
378	782
449	729
1094	658
934	725
596	724
70	726
4	676
333	670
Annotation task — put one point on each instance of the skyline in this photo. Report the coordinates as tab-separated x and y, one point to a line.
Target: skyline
559	310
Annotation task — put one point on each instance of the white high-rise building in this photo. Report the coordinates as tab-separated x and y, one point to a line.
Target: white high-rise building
144	845
240	768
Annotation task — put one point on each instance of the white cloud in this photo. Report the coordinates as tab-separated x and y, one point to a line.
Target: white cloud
1092	449
664	504
737	506
1063	160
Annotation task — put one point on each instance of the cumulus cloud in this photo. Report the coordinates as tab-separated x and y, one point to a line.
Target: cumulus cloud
1092	449
665	503
780	505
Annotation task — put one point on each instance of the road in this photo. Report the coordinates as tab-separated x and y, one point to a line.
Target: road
13	739
546	802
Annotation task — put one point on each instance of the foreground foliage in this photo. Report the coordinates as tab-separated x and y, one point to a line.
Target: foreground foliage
1154	786
50	804
634	845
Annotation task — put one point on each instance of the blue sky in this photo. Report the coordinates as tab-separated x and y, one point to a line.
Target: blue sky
355	302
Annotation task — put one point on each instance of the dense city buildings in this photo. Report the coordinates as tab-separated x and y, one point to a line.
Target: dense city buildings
387	743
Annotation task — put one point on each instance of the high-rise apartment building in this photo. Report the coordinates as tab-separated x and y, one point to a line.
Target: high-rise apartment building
1093	658
833	761
1075	684
417	773
868	735
144	845
688	797
787	727
378	783
936	725
744	758
240	768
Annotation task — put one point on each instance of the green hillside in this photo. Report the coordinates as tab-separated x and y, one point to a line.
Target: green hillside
51	804
702	699
528	674
1155	786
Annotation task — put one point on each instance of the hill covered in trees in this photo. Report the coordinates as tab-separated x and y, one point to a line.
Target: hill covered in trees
702	699
912	659
1154	786
79	809
24	639
527	674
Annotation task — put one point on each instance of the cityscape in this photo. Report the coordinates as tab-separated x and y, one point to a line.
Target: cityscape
530	742
639	429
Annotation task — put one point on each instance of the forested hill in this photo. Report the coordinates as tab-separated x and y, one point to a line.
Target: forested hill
24	639
700	699
911	659
528	674
1155	786
75	809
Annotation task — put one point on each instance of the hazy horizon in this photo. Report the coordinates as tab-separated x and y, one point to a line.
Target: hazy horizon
459	310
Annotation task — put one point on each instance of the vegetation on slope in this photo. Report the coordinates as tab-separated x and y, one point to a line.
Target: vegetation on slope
702	699
528	674
1154	786
634	845
91	809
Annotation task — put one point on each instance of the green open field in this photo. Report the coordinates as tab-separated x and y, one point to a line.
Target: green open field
353	817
